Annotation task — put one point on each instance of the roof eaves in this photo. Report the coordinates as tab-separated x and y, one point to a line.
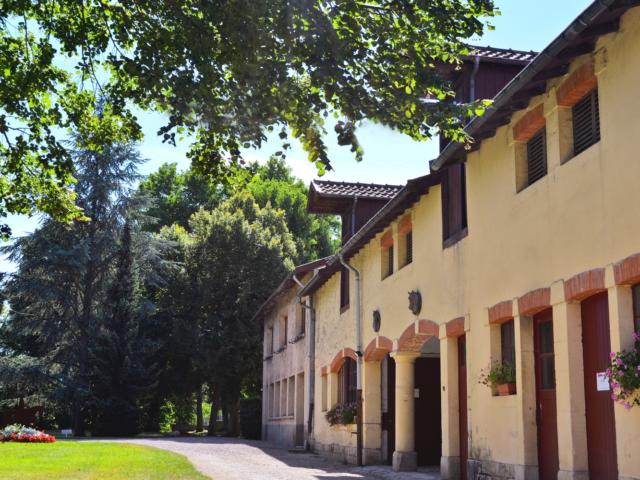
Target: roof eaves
369	229
581	23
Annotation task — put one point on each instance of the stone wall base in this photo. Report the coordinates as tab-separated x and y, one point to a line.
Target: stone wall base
450	468
571	475
405	461
490	470
347	454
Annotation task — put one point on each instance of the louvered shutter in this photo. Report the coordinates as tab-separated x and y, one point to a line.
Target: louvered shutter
537	157
586	122
390	260
409	247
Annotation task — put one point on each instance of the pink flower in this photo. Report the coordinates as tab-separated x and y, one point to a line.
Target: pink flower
619	362
627	405
614	396
612	355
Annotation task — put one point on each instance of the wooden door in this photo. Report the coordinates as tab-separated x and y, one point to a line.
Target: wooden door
389	417
546	411
601	427
462	405
428	426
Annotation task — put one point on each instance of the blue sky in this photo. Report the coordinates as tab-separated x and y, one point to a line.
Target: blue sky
389	157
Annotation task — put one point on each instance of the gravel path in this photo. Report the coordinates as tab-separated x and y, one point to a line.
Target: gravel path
233	459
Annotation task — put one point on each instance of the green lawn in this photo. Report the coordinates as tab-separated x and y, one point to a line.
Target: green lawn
92	460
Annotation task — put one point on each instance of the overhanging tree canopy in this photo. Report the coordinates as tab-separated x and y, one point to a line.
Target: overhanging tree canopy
226	72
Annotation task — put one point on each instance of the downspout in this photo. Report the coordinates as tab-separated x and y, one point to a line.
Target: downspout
358	319
472	80
311	354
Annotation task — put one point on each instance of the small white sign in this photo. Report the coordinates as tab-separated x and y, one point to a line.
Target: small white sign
416	393
66	432
602	382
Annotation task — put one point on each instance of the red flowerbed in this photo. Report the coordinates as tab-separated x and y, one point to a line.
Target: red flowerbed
18	433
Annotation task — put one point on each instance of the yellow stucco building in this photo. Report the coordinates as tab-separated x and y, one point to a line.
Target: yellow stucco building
523	249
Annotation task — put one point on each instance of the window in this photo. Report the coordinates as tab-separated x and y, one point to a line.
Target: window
408	245
302	320
586	122
636	307
347	382
537	157
387	261
546	355
269	341
284	332
454	204
344	289
508	344
291	396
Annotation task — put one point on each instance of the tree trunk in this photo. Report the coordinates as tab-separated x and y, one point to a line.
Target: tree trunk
225	419
215	406
199	419
234	418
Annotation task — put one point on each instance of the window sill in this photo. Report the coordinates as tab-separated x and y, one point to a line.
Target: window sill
268	357
455	238
297	338
280	350
276	419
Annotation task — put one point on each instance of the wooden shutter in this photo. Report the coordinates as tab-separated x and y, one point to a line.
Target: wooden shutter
454	201
390	260
586	122
344	288
537	157
409	248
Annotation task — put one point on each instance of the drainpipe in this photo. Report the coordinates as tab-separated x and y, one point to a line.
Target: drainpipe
472	80
358	319
311	354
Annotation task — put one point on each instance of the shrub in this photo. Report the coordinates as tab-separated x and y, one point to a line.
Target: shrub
342	414
497	374
624	375
251	418
20	433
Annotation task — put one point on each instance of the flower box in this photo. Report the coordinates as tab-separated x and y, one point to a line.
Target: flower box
505	389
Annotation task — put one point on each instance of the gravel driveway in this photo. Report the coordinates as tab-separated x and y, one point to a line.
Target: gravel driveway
234	459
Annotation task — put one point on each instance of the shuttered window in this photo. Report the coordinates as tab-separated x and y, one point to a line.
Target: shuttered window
454	204
409	248
390	260
344	288
508	344
586	122
537	157
636	306
347	382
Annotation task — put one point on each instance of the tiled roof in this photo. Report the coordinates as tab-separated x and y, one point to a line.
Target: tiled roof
354	189
502	54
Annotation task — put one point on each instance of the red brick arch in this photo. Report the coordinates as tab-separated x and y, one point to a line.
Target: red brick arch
377	349
416	334
534	301
338	360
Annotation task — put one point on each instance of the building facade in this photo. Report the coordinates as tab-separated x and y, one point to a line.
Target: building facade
522	249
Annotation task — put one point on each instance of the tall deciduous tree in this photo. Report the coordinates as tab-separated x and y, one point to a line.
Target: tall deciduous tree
239	253
227	72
